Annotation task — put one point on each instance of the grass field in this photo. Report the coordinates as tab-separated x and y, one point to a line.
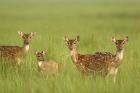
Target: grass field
95	21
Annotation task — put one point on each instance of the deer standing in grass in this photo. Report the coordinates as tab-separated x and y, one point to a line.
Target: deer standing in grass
51	67
15	53
100	62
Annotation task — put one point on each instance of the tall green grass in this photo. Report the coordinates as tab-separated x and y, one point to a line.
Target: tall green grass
96	23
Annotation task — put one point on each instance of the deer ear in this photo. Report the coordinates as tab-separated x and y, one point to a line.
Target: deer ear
33	33
21	34
113	39
36	52
78	38
43	52
126	39
66	39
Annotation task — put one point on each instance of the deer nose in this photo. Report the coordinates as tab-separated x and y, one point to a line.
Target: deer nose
119	46
70	47
38	56
26	42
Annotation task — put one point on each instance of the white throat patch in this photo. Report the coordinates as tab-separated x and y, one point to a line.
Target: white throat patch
120	55
40	63
27	48
74	55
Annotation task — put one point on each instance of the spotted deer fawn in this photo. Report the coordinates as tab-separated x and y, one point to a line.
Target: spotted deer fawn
51	67
15	53
102	62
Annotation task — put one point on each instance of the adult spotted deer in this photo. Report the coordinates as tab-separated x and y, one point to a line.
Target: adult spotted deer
15	53
102	62
116	60
51	67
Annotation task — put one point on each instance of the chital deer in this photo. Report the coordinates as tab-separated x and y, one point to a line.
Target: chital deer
51	67
116	60
15	53
103	62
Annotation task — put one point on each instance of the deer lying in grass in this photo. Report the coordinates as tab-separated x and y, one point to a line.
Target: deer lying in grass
51	67
103	62
15	53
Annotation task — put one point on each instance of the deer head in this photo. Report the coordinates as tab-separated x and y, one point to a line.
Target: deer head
71	43
26	37
40	55
120	43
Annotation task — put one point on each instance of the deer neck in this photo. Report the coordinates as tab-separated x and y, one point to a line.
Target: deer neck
119	55
74	55
25	48
40	62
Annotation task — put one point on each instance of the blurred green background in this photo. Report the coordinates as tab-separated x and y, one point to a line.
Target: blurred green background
96	21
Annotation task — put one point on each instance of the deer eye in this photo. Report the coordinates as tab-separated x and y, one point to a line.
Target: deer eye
123	42
23	37
30	37
74	42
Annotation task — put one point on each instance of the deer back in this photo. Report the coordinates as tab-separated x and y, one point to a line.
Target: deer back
11	52
49	66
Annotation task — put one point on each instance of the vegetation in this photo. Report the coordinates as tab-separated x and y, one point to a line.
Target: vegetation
95	21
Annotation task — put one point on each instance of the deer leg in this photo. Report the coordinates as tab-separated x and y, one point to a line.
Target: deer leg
107	72
115	74
84	72
18	61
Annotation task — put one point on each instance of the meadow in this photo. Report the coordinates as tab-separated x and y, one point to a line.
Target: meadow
95	21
